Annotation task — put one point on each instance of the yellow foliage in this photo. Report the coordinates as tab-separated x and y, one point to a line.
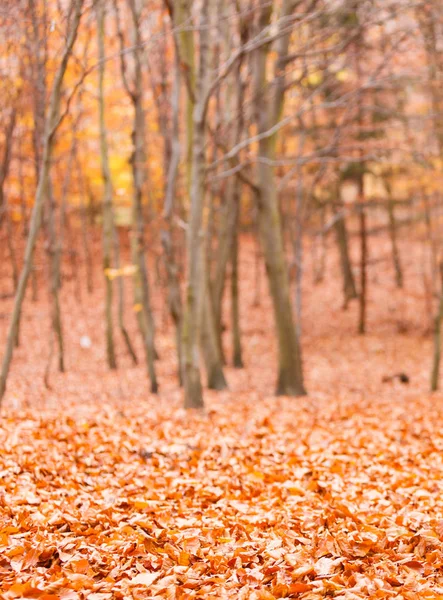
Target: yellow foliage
342	75
313	79
122	272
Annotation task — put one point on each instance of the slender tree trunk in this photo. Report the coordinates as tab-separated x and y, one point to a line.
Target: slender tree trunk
85	234
393	236
65	225
54	276
319	247
186	47
233	102
174	297
171	165
52	122
290	377
359	45
268	111
121	301
4	212
437	339
297	241
108	217
38	56
429	20
139	176
167	235
66	239
257	262
11	249
141	286
24	214
363	272
142	302
195	282
431	238
341	235
210	344
6	161
224	253
235	304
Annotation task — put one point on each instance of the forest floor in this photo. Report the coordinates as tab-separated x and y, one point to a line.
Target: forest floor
109	492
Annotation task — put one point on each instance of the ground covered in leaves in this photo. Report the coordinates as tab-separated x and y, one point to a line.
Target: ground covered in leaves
108	492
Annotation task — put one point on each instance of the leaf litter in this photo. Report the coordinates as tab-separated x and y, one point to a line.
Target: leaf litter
108	492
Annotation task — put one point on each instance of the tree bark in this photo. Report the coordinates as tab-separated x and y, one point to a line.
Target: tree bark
210	342
363	273
4	213
195	283
54	276
85	233
121	301
186	46
141	285
6	161
341	236
142	301
108	217
268	111
437	339
11	249
175	302
235	304
393	236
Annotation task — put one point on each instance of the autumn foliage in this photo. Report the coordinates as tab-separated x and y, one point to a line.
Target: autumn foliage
221	299
110	493
252	500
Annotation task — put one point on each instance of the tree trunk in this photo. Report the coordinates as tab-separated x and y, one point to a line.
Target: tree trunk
297	241
107	189
54	276
235	305
141	285
85	234
224	253
195	283
4	212
393	236
167	235
174	296
234	110
257	262
290	377
341	235
22	196
142	302
268	112
210	343
121	301
358	45
186	47
319	247
363	272
11	249
6	161
437	339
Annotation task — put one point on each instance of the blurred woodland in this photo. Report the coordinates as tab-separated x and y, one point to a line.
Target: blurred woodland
233	206
176	128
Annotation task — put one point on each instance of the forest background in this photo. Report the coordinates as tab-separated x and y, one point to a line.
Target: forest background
233	207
